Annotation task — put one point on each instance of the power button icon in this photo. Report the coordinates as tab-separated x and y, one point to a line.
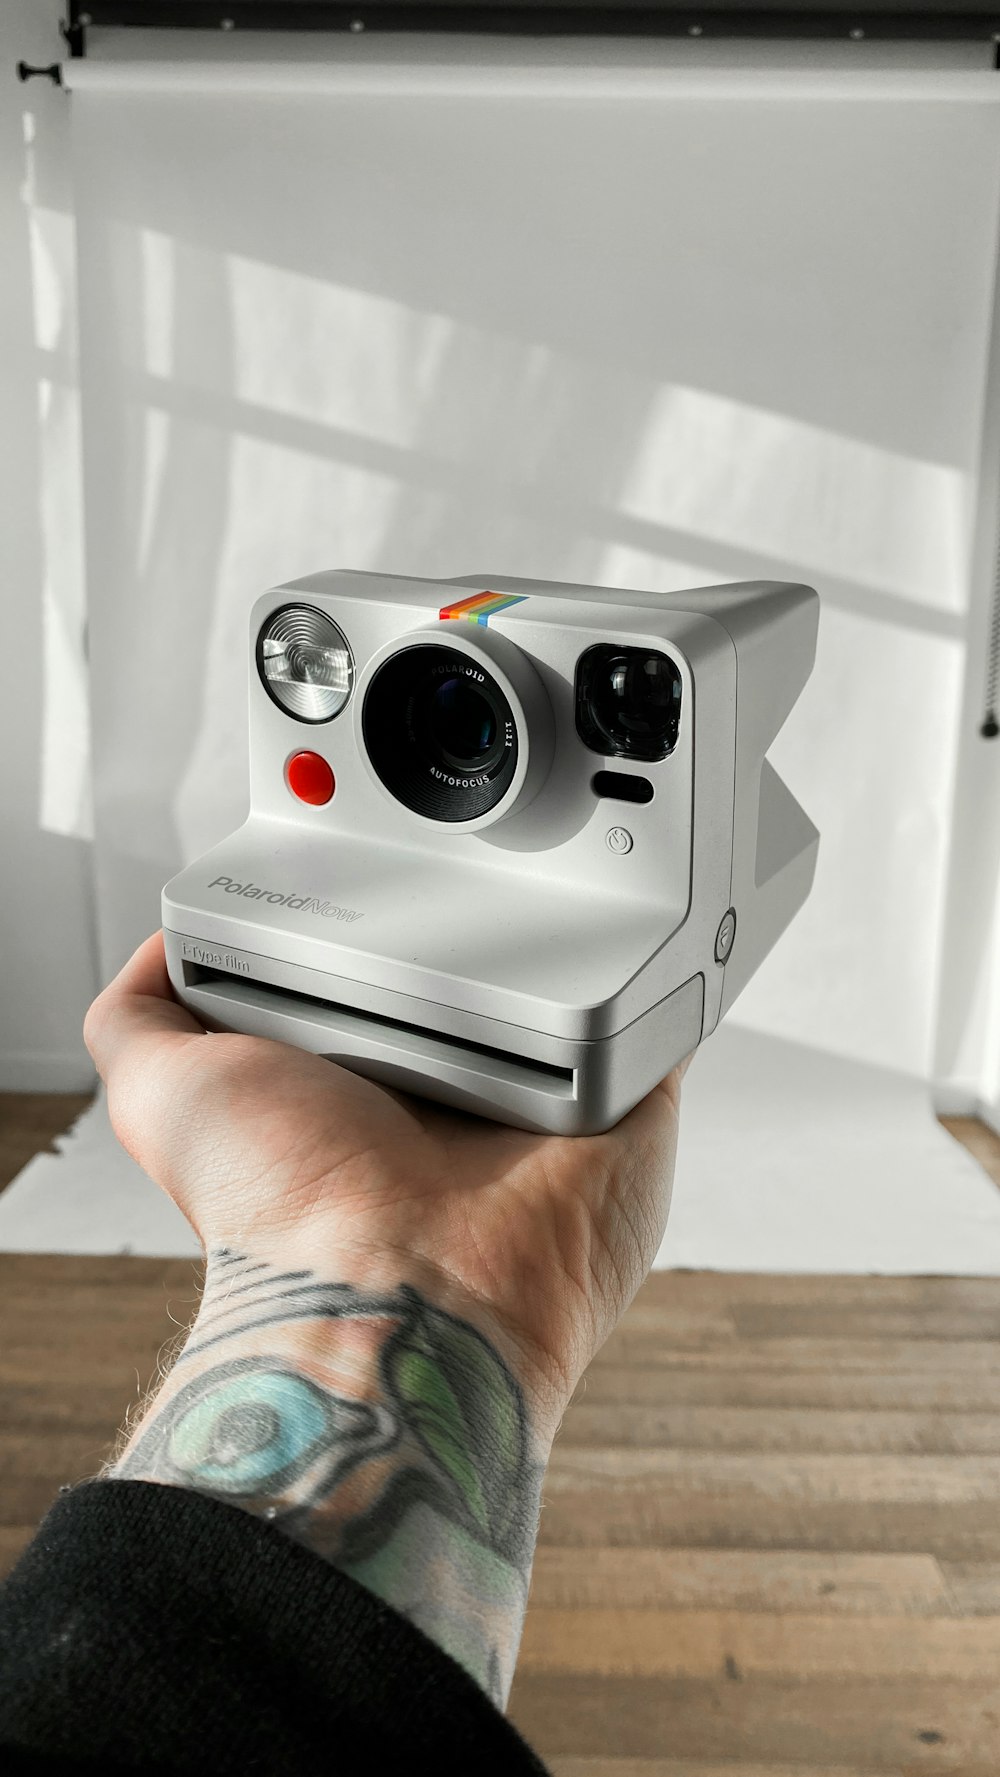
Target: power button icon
619	840
724	936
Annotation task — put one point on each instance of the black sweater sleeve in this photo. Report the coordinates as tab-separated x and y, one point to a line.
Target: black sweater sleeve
151	1629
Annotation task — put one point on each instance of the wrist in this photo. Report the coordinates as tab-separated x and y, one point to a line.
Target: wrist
303	1294
385	1427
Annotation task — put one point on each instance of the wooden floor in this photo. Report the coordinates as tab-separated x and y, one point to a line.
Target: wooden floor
770	1544
28	1123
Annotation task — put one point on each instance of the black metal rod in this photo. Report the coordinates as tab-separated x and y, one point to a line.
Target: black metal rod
942	20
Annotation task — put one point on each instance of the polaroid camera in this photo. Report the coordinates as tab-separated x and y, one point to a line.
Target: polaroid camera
512	845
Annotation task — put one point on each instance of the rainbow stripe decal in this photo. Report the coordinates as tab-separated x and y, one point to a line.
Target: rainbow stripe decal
481	606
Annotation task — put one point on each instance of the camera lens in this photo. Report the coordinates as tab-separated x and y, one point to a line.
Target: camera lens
461	722
628	702
440	733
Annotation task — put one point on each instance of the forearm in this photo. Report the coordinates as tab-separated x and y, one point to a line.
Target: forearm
377	1418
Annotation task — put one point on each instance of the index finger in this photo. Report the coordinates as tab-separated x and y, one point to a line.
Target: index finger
137	1010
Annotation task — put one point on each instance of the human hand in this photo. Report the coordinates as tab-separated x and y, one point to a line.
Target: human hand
268	1149
399	1301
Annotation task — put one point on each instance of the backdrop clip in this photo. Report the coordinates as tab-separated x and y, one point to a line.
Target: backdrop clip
53	72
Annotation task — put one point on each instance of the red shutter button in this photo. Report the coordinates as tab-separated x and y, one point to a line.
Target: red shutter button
309	778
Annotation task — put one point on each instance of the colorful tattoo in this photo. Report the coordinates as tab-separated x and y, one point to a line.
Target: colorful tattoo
385	1434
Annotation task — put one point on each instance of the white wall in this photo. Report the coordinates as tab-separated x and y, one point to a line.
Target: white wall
657	343
47	954
46	948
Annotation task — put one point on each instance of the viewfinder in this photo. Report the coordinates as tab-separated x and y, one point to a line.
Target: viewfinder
628	702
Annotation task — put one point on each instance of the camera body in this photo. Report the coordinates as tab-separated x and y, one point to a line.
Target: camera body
512	845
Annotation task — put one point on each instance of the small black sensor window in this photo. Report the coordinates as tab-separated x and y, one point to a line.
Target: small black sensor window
622	786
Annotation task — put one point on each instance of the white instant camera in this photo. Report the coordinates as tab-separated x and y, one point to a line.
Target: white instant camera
512	845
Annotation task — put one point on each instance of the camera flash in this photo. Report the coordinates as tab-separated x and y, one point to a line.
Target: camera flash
305	663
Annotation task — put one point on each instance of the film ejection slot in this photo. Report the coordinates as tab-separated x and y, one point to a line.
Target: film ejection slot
232	992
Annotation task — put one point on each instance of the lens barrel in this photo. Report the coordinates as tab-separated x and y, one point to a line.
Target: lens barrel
440	732
628	702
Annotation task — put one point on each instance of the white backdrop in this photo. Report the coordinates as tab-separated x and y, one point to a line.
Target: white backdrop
631	336
651	343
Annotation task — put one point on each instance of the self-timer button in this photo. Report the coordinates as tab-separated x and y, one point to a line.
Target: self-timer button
309	778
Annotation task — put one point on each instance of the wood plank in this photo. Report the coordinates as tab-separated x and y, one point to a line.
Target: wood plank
944	1480
883	1356
965	1533
780	1428
760	1320
834	1584
733	1384
973	1586
944	1506
926	1728
31	1328
54	1408
70	1455
89	1270
77	1368
24	1499
728	1644
101	1316
30	1122
723	1291
668	1767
